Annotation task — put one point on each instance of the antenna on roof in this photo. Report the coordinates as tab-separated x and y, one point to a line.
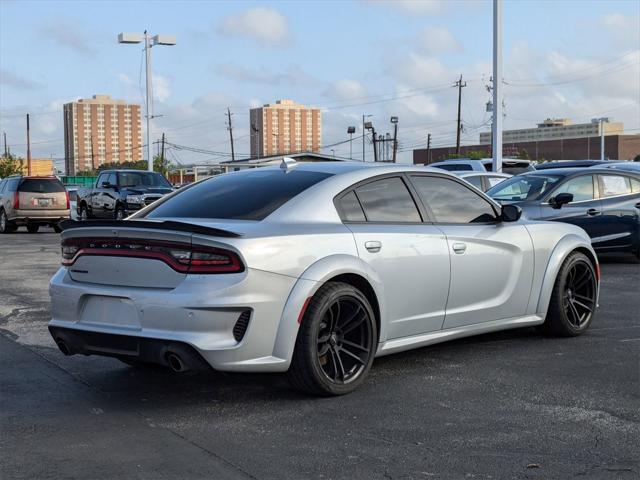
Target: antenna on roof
287	163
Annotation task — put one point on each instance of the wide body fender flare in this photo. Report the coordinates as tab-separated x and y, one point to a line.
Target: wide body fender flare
308	284
563	248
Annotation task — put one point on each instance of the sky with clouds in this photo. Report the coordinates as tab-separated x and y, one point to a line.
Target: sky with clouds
571	59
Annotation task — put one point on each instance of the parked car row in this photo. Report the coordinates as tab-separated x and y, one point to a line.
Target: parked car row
44	201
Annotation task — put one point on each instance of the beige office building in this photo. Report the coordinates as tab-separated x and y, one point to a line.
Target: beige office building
100	130
284	127
555	129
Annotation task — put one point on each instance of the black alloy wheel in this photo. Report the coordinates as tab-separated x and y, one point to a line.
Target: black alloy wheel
574	296
336	341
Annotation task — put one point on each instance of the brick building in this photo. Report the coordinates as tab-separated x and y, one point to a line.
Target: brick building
100	130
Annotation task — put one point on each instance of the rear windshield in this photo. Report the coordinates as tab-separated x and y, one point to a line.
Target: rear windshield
454	167
41	185
142	179
242	196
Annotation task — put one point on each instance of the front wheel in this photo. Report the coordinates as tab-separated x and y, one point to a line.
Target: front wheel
573	300
336	342
84	213
119	213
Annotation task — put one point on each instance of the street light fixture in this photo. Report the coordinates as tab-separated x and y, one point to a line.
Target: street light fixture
369	126
351	131
149	42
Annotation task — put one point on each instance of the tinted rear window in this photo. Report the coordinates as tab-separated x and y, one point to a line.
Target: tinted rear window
41	185
454	167
242	196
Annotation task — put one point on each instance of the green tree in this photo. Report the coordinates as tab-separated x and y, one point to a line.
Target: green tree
523	155
11	165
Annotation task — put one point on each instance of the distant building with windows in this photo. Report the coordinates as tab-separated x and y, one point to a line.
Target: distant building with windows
100	130
284	127
555	129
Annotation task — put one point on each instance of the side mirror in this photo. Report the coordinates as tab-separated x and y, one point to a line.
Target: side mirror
561	199
105	185
510	213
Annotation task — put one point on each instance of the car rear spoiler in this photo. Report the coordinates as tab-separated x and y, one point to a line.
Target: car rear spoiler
165	225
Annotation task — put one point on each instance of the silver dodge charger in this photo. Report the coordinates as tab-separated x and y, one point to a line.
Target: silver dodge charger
314	269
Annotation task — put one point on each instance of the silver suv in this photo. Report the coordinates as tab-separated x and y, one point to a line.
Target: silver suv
32	202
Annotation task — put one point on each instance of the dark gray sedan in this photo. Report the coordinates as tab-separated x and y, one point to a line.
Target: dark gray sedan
604	202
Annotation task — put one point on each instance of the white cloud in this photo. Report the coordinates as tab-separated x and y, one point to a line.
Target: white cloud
69	35
161	90
346	90
17	82
262	24
437	40
293	75
412	7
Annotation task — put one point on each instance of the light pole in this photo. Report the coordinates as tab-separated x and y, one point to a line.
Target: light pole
351	131
601	121
496	124
149	42
363	133
394	120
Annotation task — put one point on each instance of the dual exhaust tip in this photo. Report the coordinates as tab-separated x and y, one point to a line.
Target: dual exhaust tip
178	362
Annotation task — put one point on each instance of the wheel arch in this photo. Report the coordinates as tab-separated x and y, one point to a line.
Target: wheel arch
567	245
344	268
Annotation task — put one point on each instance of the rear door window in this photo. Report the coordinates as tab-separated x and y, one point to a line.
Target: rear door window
41	185
580	187
451	202
388	200
246	195
635	185
613	185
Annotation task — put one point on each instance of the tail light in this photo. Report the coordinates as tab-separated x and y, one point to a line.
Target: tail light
68	204
16	200
182	257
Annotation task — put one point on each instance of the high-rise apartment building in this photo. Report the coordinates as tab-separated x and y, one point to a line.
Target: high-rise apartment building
284	127
100	130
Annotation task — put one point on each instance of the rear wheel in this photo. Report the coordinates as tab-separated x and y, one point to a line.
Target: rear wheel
336	342
5	225
573	300
56	227
33	228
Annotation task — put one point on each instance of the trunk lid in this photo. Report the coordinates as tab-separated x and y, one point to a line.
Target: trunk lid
148	254
42	193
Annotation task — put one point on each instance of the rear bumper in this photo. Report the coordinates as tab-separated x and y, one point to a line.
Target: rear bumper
27	217
200	313
127	348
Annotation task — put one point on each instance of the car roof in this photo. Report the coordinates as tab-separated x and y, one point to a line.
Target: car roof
476	173
574	171
124	170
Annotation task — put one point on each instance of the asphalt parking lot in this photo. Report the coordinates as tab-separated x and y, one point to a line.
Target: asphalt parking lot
507	405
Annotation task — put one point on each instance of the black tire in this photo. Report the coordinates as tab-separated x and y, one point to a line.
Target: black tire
336	314
33	228
119	213
5	225
56	228
573	300
84	213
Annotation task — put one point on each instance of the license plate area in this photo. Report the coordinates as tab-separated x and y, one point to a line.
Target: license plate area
44	202
110	312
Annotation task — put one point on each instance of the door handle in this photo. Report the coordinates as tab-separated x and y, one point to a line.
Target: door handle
593	211
373	246
459	248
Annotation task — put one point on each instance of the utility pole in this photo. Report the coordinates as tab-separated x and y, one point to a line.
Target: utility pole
428	148
28	147
460	85
375	141
395	140
233	156
363	135
496	124
6	153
